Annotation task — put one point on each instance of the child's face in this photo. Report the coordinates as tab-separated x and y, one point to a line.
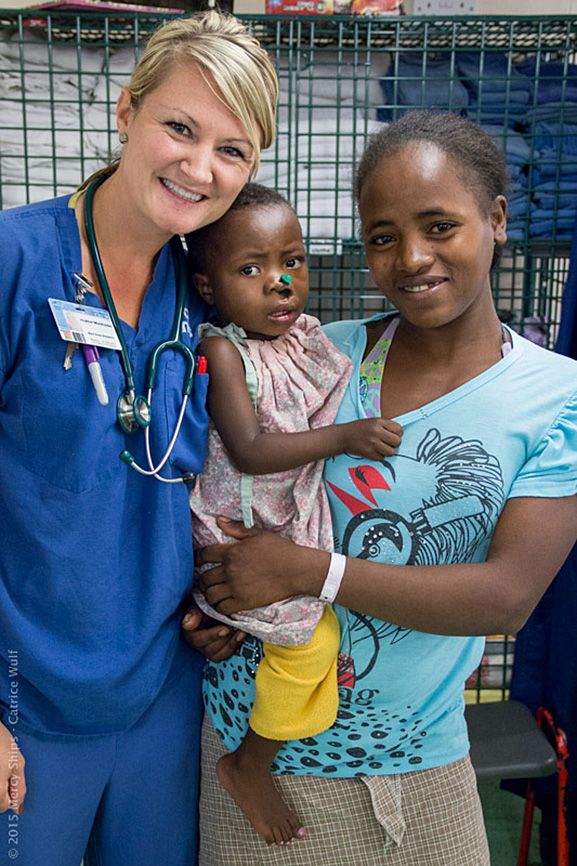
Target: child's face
429	244
254	246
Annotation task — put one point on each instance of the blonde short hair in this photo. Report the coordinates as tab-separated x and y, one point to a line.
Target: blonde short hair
227	53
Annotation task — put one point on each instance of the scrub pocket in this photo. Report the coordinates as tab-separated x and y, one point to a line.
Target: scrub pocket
189	452
71	441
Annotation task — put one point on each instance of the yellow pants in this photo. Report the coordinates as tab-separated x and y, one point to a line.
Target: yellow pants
296	686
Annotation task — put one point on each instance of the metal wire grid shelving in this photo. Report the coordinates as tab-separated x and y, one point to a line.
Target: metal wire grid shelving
60	74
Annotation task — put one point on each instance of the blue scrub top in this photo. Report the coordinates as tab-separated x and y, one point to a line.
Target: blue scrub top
95	560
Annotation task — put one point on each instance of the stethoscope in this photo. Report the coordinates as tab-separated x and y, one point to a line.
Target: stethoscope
132	409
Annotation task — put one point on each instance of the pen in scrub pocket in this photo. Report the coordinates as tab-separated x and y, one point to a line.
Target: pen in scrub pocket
90	353
92	359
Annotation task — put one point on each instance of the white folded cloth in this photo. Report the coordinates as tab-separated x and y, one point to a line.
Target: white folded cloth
35	53
337	78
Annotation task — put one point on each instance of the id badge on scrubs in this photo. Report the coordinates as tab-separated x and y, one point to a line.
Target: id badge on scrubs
78	323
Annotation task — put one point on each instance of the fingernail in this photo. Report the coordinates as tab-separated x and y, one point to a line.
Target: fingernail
187	620
223	632
301	833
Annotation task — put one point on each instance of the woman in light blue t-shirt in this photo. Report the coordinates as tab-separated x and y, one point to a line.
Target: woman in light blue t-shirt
454	537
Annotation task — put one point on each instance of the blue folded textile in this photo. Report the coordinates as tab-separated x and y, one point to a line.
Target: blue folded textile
518	207
515	146
516	232
546	169
492	71
556	139
560	229
561	215
556	195
499	113
564	112
553	201
420	82
551	81
487	96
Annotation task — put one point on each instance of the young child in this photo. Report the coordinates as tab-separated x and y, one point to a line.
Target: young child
276	383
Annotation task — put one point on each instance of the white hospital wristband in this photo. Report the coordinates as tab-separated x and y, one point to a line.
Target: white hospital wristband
334	578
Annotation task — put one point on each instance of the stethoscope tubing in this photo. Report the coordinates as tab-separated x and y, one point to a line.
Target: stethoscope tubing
133	410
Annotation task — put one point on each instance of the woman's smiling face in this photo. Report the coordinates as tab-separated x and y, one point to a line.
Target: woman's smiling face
429	239
187	155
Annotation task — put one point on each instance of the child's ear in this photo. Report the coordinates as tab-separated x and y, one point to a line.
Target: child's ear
203	287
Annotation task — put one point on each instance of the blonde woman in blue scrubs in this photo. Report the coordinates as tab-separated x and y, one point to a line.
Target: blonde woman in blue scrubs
99	695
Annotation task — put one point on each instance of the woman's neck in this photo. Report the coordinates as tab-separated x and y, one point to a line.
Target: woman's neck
128	255
474	338
423	364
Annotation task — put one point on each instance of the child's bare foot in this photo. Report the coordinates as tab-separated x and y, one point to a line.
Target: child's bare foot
253	790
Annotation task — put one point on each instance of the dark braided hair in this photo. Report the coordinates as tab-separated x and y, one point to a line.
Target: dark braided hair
199	242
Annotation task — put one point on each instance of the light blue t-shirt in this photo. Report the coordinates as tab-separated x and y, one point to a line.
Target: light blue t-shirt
511	431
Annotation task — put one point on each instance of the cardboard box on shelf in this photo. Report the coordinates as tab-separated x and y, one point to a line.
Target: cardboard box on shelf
332	7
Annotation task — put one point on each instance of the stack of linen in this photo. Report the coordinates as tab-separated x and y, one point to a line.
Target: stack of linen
498	92
553	90
553	127
554	180
418	81
314	166
518	155
100	117
43	90
529	109
322	132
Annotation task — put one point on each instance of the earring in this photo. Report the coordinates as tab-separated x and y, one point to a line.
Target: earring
122	137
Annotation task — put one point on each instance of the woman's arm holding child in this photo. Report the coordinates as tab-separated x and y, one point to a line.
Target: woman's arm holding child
259	453
531	541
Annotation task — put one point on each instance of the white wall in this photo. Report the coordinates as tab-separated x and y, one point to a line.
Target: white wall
527	7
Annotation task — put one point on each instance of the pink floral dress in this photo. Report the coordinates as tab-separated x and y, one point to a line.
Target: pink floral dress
296	383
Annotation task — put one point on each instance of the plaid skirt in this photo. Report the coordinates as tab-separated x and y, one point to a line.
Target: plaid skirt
423	818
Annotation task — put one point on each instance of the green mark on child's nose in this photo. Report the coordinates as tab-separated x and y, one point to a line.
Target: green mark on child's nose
286	279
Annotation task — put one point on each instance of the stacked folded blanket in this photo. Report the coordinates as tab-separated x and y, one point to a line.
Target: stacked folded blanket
529	108
553	90
518	155
312	163
338	78
498	92
100	116
415	80
57	124
43	92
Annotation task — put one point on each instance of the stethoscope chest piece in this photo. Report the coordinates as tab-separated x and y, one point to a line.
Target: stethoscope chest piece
132	411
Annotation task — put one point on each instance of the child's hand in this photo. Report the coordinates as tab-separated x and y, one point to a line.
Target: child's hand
213	639
373	438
